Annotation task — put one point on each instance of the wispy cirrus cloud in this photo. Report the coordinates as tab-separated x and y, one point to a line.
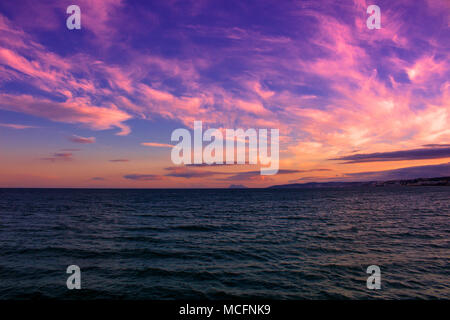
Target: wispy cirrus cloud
341	55
16	126
119	160
156	144
71	111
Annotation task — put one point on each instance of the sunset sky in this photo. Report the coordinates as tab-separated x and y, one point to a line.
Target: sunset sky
96	107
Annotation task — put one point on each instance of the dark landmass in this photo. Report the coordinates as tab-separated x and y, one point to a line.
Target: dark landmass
440	181
237	186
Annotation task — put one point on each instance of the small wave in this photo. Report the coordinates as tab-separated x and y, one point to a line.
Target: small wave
205	228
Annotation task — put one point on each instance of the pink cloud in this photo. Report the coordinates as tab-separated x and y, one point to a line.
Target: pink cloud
16	126
156	144
426	69
75	110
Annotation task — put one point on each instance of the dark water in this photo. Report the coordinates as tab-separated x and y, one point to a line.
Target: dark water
183	244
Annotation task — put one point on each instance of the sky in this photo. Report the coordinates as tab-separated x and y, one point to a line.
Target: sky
96	107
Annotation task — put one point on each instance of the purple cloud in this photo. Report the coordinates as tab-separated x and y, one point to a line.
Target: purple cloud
252	175
184	172
98	179
144	177
70	149
83	140
413	154
59	157
428	171
434	145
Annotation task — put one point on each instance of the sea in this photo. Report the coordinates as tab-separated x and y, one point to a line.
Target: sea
283	244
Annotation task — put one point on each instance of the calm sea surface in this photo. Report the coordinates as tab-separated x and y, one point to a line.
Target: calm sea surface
225	244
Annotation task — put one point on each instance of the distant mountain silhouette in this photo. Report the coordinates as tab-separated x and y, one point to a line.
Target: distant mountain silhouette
237	186
440	181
